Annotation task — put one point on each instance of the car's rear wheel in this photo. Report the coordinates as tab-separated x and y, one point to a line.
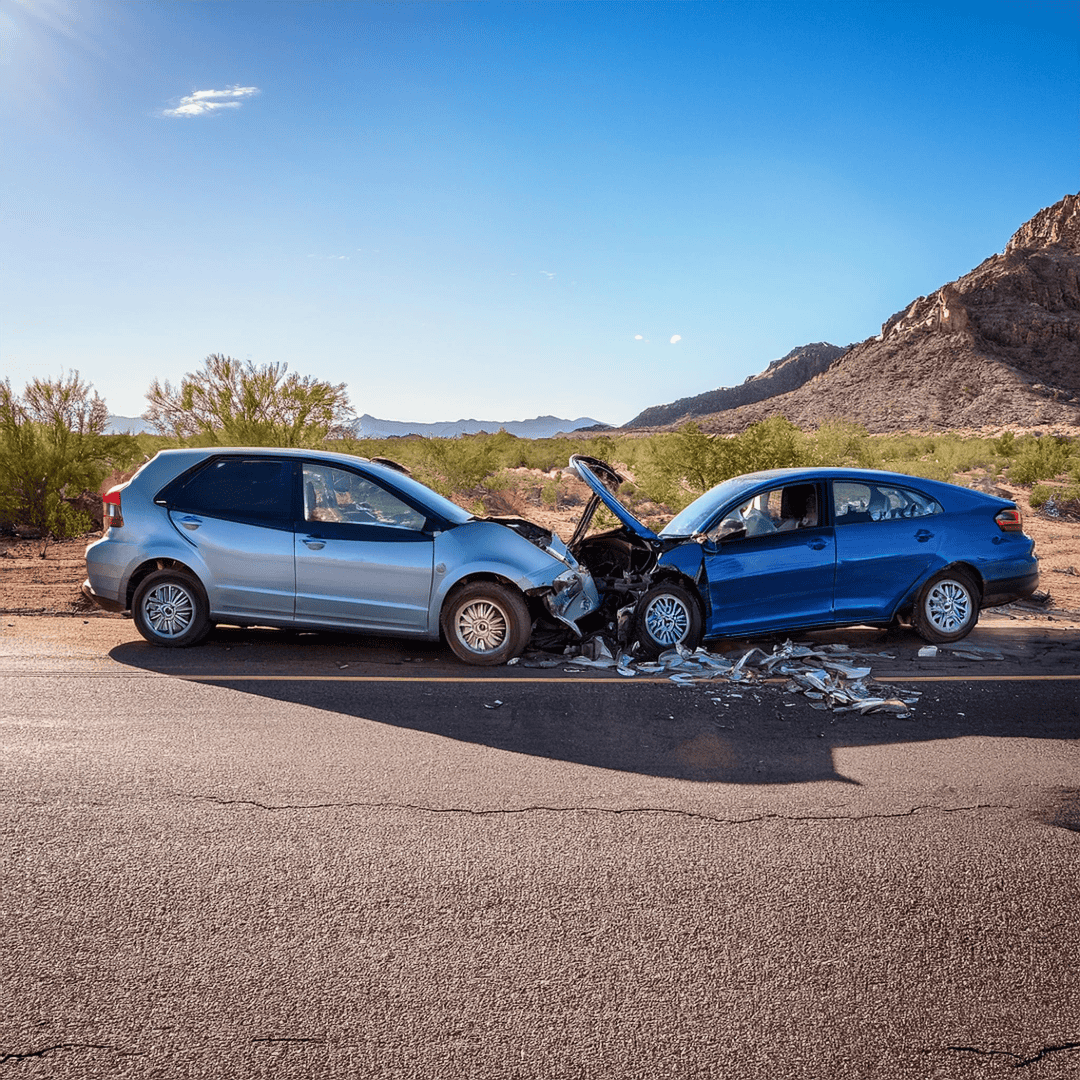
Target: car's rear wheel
947	608
486	623
666	616
170	609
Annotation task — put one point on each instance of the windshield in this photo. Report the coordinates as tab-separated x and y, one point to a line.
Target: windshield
701	511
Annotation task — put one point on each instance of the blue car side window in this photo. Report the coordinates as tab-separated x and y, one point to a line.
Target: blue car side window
780	510
854	503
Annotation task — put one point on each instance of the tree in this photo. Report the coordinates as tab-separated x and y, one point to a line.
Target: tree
676	467
234	403
53	453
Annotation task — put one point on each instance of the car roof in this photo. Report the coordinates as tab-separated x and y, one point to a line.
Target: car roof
189	456
702	509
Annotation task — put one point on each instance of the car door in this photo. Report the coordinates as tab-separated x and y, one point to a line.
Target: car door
887	537
364	555
764	572
236	511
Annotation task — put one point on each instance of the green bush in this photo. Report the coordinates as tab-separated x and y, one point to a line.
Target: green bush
1039	494
1040	458
53	454
840	442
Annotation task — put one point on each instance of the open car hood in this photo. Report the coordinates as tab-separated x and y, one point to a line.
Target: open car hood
604	482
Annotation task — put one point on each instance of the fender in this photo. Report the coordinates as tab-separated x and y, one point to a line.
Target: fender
485	547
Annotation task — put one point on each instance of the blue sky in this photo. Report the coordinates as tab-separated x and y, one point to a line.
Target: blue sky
500	210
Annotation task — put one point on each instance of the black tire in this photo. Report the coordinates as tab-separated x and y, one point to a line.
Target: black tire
947	608
666	616
170	609
486	623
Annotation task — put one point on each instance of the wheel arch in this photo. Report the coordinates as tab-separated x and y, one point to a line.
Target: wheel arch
448	591
669	575
151	566
971	572
906	606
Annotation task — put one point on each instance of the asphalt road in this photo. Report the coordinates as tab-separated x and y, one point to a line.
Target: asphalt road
306	856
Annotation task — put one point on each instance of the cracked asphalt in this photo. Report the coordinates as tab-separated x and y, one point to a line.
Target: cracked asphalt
310	856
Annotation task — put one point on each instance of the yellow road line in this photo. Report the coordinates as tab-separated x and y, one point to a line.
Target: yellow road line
509	679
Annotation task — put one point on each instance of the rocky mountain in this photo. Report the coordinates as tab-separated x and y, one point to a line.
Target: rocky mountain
540	427
788	373
999	347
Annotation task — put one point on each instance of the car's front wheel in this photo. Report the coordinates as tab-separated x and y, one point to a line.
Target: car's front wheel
170	609
666	616
947	608
486	623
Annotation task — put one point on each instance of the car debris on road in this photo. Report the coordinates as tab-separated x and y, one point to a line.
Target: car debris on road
833	677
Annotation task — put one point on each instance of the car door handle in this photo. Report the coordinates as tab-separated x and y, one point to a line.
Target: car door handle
314	543
190	523
923	535
817	544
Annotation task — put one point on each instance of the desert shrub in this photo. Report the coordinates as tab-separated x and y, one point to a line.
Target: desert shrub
928	470
840	442
1039	494
1040	458
460	464
675	468
895	448
775	443
53	455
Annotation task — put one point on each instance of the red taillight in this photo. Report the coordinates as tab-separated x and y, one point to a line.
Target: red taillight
110	509
1010	520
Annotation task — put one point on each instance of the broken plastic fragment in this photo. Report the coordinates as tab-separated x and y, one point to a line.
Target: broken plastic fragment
847	670
928	650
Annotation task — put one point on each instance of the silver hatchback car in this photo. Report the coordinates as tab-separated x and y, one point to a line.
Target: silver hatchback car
305	538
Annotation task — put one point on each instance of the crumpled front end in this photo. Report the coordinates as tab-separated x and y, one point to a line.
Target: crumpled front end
572	596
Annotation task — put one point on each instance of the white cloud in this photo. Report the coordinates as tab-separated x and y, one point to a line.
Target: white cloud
550	273
675	338
202	102
638	337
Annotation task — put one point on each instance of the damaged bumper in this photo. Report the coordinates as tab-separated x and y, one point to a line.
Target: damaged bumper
102	602
572	596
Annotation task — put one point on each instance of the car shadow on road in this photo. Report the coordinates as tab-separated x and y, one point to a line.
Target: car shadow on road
716	732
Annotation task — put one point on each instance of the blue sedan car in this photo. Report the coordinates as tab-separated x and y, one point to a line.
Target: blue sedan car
794	549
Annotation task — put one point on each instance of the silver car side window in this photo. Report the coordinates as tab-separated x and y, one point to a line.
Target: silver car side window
340	495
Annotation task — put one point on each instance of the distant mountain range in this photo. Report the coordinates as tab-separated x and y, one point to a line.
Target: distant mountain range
125	425
998	347
371	427
540	427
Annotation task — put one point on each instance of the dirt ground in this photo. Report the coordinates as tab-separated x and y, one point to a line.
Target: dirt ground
31	585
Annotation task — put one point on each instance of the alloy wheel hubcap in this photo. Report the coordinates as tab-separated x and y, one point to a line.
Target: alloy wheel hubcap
667	620
482	626
169	610
948	606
